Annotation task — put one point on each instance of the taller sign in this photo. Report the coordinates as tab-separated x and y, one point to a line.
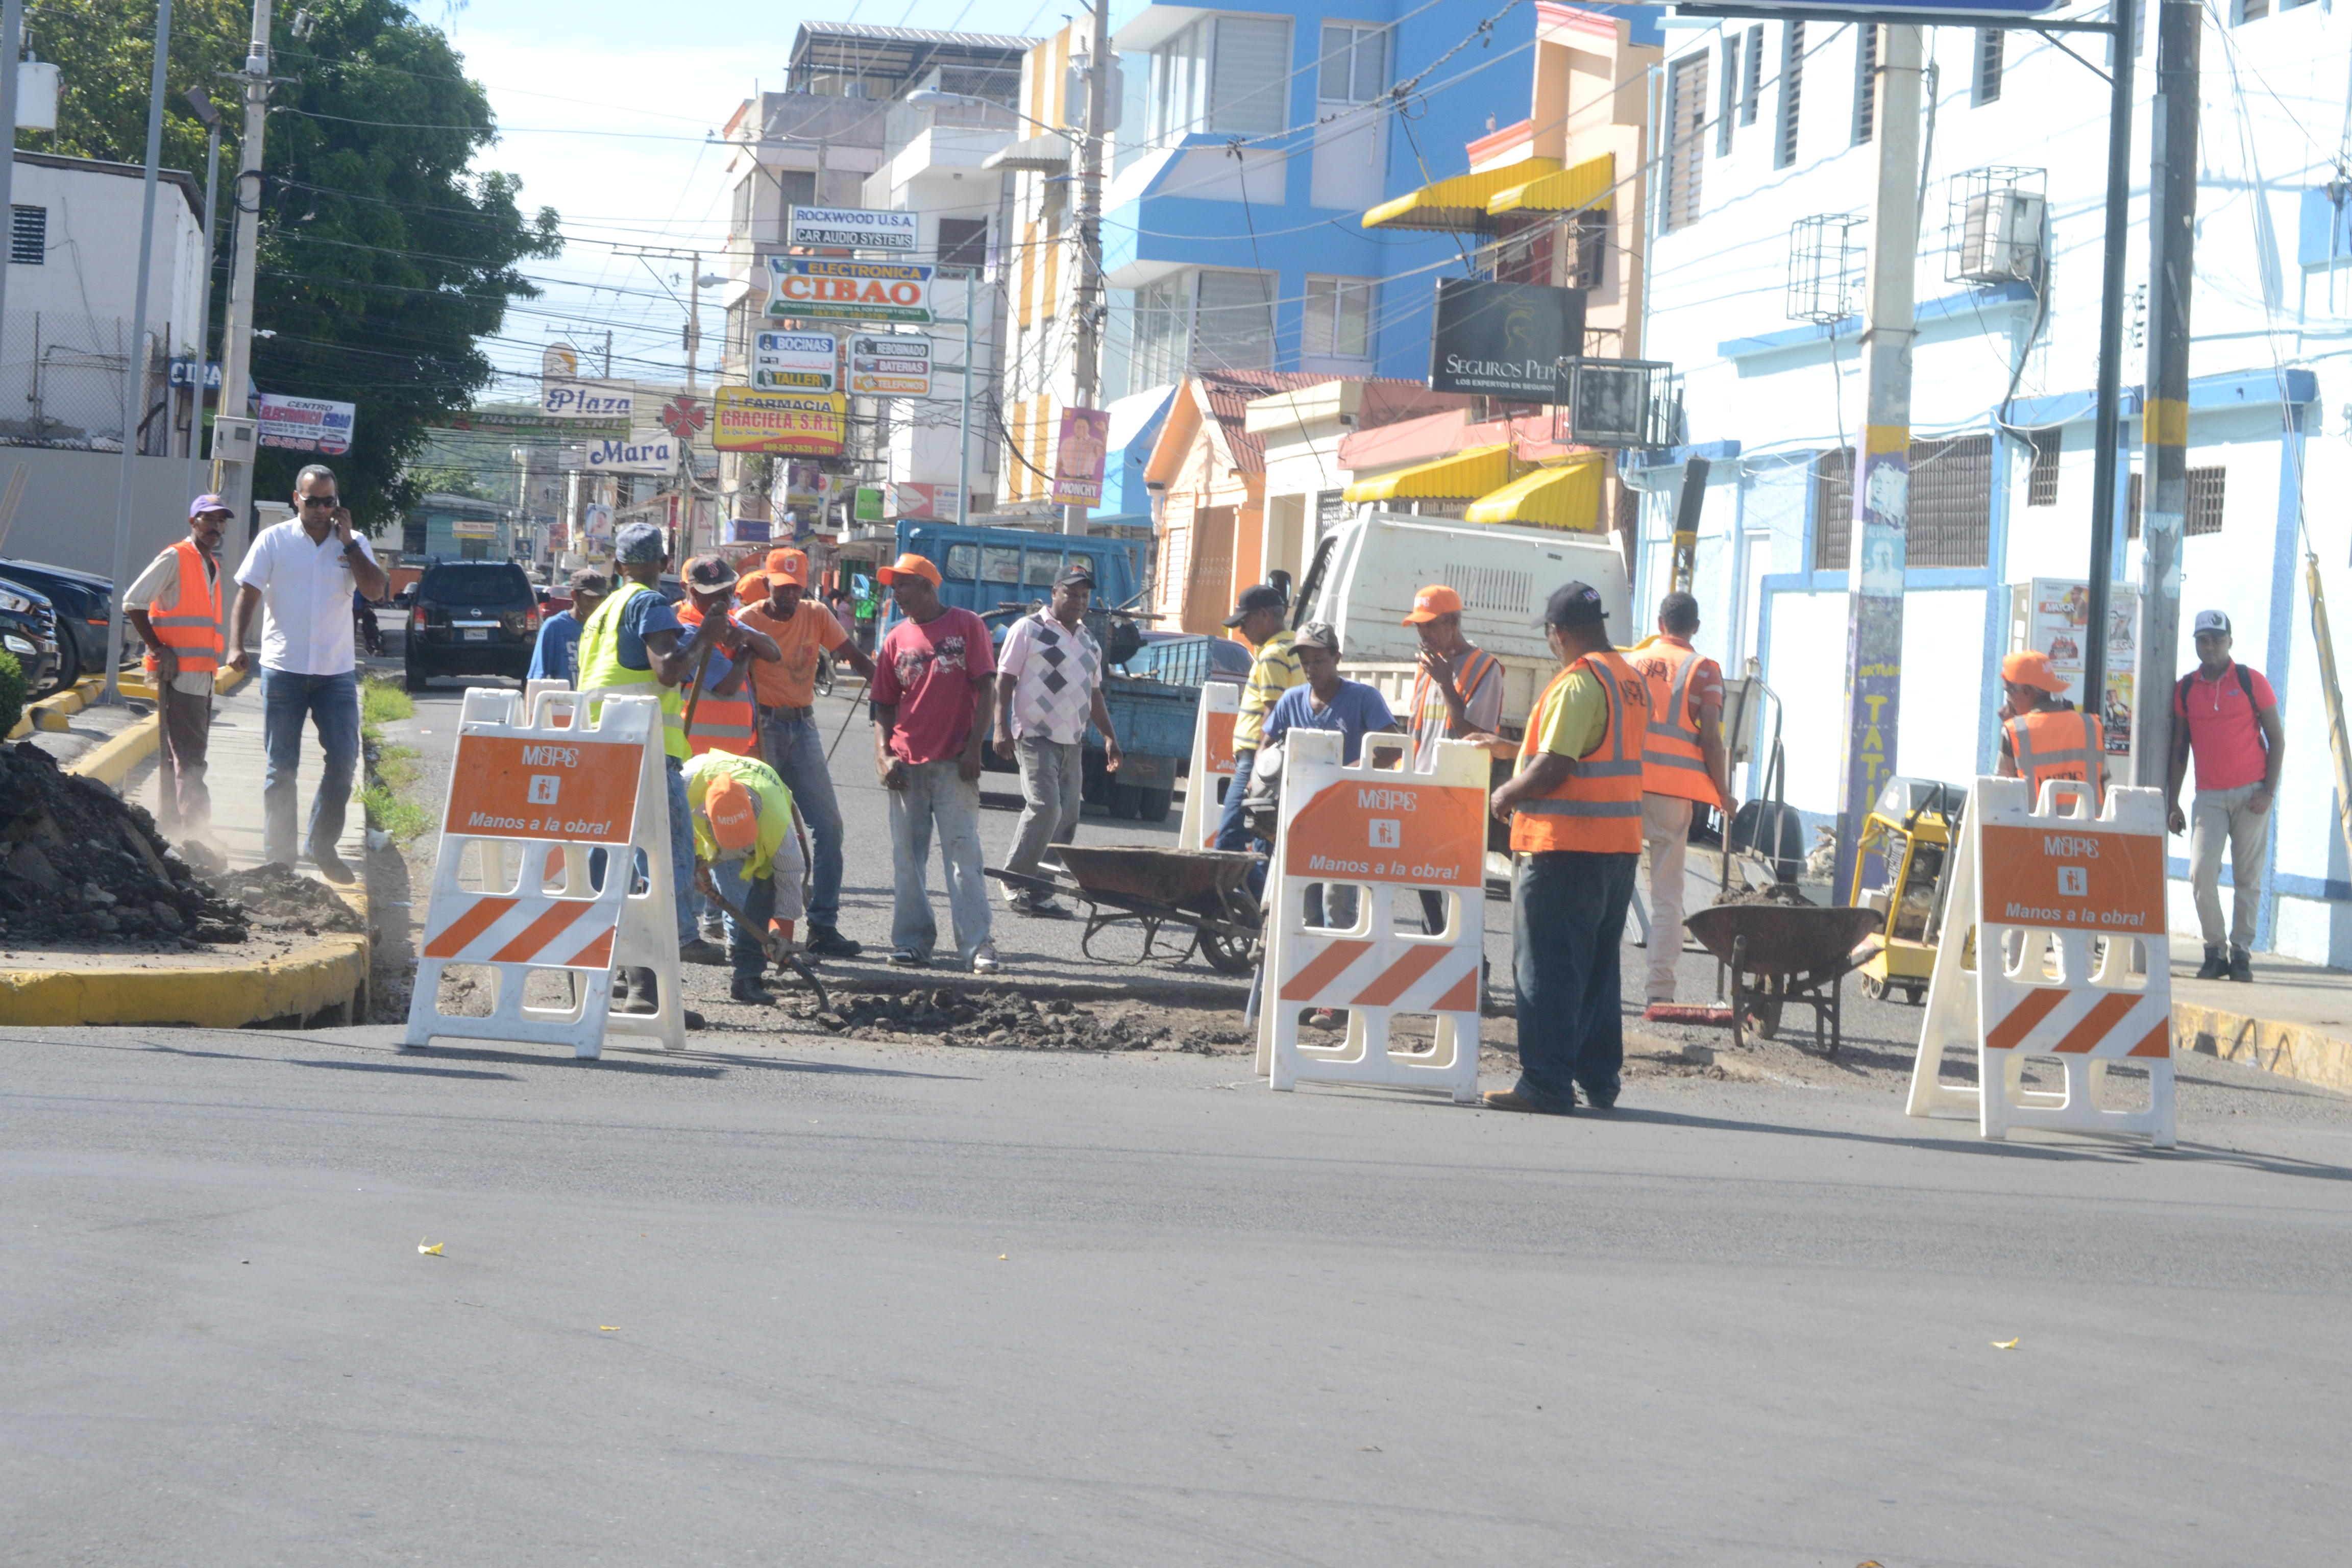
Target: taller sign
809	287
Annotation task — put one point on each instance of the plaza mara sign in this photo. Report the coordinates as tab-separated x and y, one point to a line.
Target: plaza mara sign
809	287
639	454
609	402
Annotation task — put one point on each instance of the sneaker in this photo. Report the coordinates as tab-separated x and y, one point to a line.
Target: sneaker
1040	905
748	988
702	951
1326	1019
826	941
2241	968
644	991
2216	966
907	958
621	986
332	867
986	960
1520	1099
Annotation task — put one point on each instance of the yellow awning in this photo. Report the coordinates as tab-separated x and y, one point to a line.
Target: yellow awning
1457	476
1565	495
1586	184
1459	205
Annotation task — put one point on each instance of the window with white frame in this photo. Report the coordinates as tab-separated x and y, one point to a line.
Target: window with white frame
1338	319
1233	320
1225	75
1354	65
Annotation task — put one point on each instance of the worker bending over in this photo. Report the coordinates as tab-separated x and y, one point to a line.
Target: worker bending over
1683	766
743	834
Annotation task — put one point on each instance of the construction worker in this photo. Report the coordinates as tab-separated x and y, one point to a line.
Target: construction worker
743	833
175	608
1258	617
1575	811
1683	766
635	646
2044	736
725	719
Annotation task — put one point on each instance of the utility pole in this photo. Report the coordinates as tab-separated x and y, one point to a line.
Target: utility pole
1087	326
2108	438
233	468
12	40
207	111
1882	468
134	367
2164	431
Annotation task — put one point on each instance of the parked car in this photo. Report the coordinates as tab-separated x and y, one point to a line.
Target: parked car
471	617
82	601
28	630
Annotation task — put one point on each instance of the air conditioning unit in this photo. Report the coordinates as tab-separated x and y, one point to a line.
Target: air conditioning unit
1997	219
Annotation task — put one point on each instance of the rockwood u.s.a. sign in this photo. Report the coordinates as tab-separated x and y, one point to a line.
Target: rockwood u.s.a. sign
809	287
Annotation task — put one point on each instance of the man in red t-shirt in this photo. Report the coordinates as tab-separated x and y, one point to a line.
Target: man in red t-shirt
931	675
2226	714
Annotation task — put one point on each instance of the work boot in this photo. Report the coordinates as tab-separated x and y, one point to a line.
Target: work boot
2215	966
701	950
2241	968
826	941
333	867
645	990
1521	1100
748	988
620	991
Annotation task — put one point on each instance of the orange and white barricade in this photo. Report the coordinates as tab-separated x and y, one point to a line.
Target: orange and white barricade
546	778
1212	761
531	689
1387	832
2040	888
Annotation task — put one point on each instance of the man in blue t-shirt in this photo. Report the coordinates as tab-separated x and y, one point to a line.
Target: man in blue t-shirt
556	654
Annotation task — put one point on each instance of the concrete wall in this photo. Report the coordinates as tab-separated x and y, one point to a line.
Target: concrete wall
67	515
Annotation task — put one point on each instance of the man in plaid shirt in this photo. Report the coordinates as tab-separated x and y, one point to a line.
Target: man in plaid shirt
1048	686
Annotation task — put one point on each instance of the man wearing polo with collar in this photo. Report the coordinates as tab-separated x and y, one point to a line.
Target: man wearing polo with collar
175	608
300	574
1048	690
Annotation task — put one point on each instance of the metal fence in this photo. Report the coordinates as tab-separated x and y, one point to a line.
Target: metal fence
61	383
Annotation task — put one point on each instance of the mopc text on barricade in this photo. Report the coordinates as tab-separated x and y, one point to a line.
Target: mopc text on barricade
1379	831
554	856
1212	765
2054	947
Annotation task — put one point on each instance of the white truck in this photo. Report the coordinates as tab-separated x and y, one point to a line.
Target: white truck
1366	572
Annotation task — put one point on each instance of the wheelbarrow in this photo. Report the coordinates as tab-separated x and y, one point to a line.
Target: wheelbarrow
1779	953
1201	890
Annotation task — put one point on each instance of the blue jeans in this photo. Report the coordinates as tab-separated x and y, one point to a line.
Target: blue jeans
796	751
756	897
1230	834
935	794
681	850
1567	916
331	702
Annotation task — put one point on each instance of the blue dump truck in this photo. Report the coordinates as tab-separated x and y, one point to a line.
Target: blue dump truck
1002	573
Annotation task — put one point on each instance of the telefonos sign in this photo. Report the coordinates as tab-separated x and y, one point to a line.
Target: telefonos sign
808	287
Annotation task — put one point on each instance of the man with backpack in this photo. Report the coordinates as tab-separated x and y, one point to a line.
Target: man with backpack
2225	715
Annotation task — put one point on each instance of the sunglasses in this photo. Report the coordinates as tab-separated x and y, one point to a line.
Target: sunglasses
322	501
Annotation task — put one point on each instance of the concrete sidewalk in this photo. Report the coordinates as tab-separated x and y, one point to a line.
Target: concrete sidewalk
2294	1019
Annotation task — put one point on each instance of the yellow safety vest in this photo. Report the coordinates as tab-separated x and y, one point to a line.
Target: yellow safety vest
601	669
774	801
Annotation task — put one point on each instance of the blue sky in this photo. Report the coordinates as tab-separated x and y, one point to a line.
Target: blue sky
604	109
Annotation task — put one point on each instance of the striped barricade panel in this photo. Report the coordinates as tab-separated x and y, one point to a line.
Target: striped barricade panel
557	933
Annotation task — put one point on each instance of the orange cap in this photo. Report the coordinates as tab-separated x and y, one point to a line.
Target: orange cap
734	821
2031	669
752	587
1432	602
910	566
788	565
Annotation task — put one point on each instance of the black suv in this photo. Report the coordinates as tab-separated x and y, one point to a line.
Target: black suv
471	617
28	630
82	601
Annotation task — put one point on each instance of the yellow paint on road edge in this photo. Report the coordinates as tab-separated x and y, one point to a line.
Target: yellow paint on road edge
111	760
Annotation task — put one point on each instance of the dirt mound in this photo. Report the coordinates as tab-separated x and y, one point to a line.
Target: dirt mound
281	898
1006	1018
1769	893
77	862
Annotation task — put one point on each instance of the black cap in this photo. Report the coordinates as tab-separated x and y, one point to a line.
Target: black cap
1074	575
1265	596
1574	605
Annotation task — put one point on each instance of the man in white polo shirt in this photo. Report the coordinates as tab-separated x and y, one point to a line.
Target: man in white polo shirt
301	573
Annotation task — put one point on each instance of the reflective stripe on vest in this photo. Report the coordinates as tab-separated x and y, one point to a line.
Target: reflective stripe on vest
1673	761
1474	672
600	671
724	724
2057	743
190	625
1598	806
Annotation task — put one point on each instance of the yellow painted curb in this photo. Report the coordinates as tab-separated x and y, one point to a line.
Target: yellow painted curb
112	761
2290	1050
50	712
332	973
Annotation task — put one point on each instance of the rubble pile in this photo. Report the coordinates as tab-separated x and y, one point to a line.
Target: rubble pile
277	898
78	863
1769	893
1006	1018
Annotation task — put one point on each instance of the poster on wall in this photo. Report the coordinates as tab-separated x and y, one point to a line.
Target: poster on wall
2057	616
1078	456
306	424
925	504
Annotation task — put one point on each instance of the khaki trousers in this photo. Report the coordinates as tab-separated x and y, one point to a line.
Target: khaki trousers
1665	838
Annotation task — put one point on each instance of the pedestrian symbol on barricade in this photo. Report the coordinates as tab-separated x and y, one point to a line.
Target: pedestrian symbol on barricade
1364	834
2055	949
554	808
1212	761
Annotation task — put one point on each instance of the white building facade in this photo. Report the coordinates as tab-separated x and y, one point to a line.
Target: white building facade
1758	229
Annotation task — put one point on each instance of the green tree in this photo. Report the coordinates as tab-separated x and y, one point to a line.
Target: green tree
429	480
386	256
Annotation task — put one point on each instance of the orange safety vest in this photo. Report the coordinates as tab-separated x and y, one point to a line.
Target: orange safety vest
724	724
190	625
1474	672
1598	807
1672	761
2057	743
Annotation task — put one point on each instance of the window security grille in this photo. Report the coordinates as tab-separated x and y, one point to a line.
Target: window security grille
1825	268
28	235
1865	83
1985	85
2041	477
963	242
1792	86
1728	95
1950	504
1687	114
1995	224
1753	89
1833	509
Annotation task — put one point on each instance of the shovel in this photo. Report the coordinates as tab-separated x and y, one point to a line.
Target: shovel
774	946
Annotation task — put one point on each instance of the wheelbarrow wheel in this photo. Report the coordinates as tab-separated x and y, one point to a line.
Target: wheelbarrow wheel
1229	954
1764	1016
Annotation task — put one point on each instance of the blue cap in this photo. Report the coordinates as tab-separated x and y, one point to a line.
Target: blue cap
640	543
207	502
